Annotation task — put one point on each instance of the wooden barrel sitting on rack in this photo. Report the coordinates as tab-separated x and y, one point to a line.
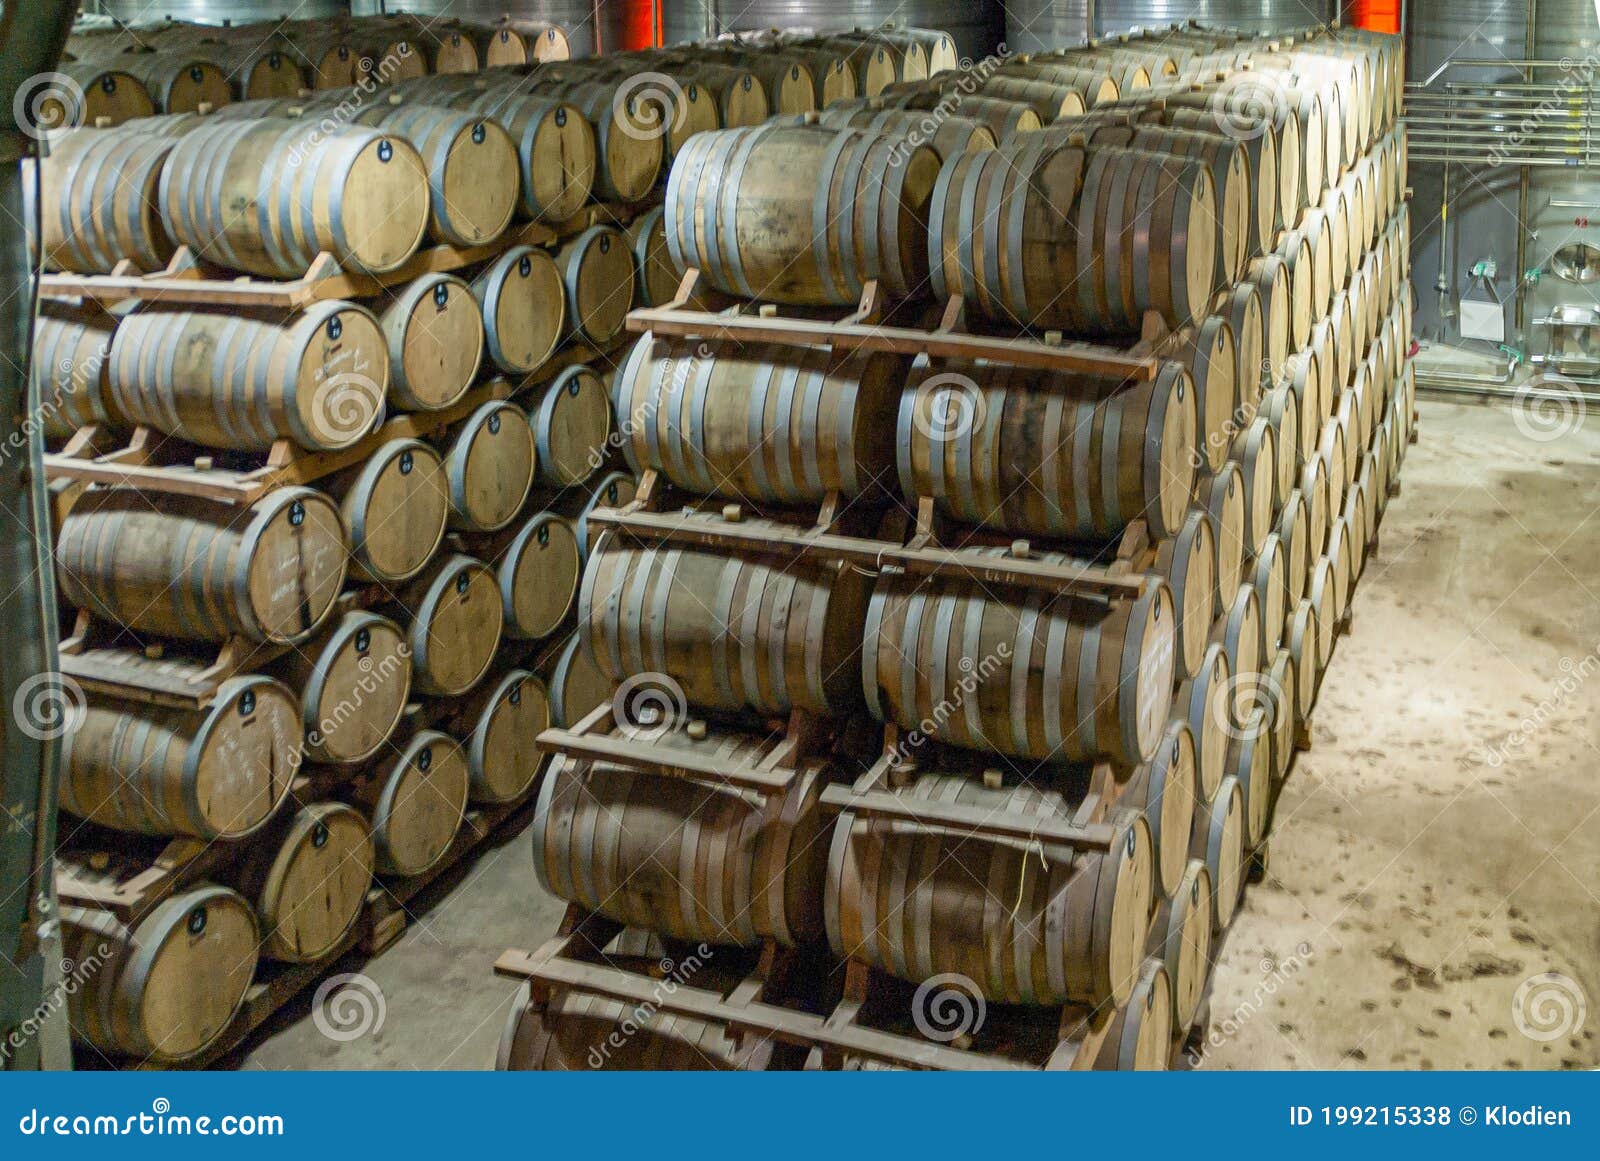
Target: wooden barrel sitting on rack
756	421
736	211
98	201
1250	764
1047	452
613	490
577	1031
317	377
743	867
505	716
201	570
628	154
307	877
1269	576
71	364
947	136
1295	536
555	148
1164	791
1301	638
456	620
1074	680
597	274
488	466
538	572
912	903
524	310
1196	705
655	277
353	680
164	991
1139	1035
1009	227
1005	119
100	93
1187	561
356	193
1256	456
577	685
571	421
1219	842
177	81
1223	496
764	632
218	772
434	331
1183	940
415	803
394	507
1208	352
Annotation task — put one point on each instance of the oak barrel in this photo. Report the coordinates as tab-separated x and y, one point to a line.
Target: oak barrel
415	803
98	201
1196	705
597	274
353	680
538	573
434	330
455	623
71	366
489	462
307	877
505	717
524	308
394	507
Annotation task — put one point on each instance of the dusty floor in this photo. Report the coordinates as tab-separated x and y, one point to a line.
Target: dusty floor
1436	852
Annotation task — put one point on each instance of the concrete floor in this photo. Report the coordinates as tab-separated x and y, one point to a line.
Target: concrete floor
1436	850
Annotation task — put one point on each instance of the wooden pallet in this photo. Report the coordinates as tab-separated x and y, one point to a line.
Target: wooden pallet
188	279
701	312
155	462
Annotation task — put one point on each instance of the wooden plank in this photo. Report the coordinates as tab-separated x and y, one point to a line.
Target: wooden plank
1060	841
1025	572
675	763
549	967
1081	358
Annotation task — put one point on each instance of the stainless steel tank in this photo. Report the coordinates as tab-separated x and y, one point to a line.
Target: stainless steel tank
591	25
1037	25
218	11
977	25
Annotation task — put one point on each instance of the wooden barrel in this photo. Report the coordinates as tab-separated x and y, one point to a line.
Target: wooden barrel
1219	841
353	681
659	853
1322	596
523	306
538	572
177	81
1295	536
317	377
166	990
1005	119
1046	452
434	331
597	275
1270	276
450	50
1269	576
415	803
1239	632
576	1031
1207	351
1281	410
877	65
947	136
101	93
1250	764
613	490
727	633
1223	496
628	140
1314	492
576	684
1183	940
1163	790
1256	456
758	422
71	365
1295	253
860	215
655	277
1188	563
488	466
1242	307
570	419
504	717
218	772
456	619
356	193
1139	1036
1196	706
790	84
1080	681
1281	692
1318	236
1010	227
98	202
1334	455
1301	638
307	877
911	902
394	507
201	570
1052	100
556	150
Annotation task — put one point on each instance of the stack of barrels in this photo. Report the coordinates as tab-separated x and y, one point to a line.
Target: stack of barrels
1233	207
